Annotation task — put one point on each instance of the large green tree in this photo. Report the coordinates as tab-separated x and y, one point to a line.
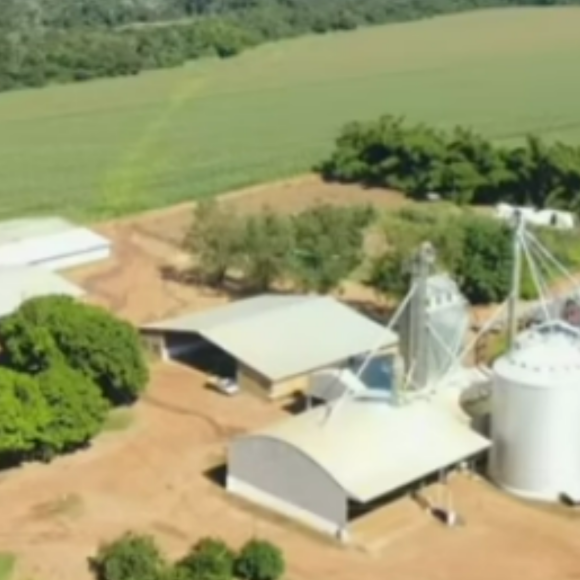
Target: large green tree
89	339
77	410
24	416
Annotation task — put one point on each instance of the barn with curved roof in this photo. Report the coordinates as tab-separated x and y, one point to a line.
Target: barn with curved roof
314	466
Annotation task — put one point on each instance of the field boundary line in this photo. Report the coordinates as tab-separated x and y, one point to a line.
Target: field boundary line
303	179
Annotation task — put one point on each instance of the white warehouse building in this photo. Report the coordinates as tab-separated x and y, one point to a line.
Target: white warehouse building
33	250
51	243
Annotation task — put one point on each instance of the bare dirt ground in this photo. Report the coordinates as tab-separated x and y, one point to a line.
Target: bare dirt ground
137	282
152	478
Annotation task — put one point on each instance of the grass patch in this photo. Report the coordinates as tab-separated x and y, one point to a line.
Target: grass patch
118	420
117	146
7	564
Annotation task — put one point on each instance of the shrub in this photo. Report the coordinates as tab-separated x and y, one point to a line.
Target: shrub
260	560
209	559
52	329
131	557
485	271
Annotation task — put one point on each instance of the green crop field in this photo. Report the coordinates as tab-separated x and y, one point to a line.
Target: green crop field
118	146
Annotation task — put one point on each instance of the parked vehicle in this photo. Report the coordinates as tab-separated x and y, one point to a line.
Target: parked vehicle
227	386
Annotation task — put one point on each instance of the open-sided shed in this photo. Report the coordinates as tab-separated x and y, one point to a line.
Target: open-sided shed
275	341
312	467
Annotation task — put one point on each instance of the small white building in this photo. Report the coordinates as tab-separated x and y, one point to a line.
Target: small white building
51	243
563	220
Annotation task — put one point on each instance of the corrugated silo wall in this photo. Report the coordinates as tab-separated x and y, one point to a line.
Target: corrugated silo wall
451	324
279	476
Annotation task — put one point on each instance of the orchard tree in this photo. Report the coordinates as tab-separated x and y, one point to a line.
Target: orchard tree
328	245
89	339
209	559
130	557
260	560
213	240
77	410
24	416
265	247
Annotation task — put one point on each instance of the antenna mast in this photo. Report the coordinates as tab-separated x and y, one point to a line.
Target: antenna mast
512	318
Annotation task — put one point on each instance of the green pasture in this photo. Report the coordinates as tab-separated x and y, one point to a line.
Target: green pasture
117	146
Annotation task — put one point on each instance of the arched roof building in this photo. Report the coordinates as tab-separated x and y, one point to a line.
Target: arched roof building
311	466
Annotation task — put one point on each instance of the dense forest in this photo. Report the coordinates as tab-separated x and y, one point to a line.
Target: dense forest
55	41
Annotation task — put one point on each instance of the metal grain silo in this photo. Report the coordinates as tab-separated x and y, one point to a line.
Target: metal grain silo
536	415
433	329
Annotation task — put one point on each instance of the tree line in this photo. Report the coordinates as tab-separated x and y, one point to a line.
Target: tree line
137	557
321	247
65	365
460	165
56	41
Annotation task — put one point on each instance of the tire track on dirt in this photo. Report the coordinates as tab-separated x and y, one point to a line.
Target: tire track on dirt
221	432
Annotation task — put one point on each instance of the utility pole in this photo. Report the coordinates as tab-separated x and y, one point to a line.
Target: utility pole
519	225
422	265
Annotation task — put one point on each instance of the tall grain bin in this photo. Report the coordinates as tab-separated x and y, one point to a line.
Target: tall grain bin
444	325
536	415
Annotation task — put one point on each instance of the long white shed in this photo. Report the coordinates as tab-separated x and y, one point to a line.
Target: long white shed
51	243
19	283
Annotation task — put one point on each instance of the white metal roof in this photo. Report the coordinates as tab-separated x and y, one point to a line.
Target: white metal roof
33	241
18	283
371	448
284	336
551	350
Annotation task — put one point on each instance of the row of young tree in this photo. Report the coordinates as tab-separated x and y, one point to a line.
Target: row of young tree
65	364
43	41
137	557
460	165
314	250
320	248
